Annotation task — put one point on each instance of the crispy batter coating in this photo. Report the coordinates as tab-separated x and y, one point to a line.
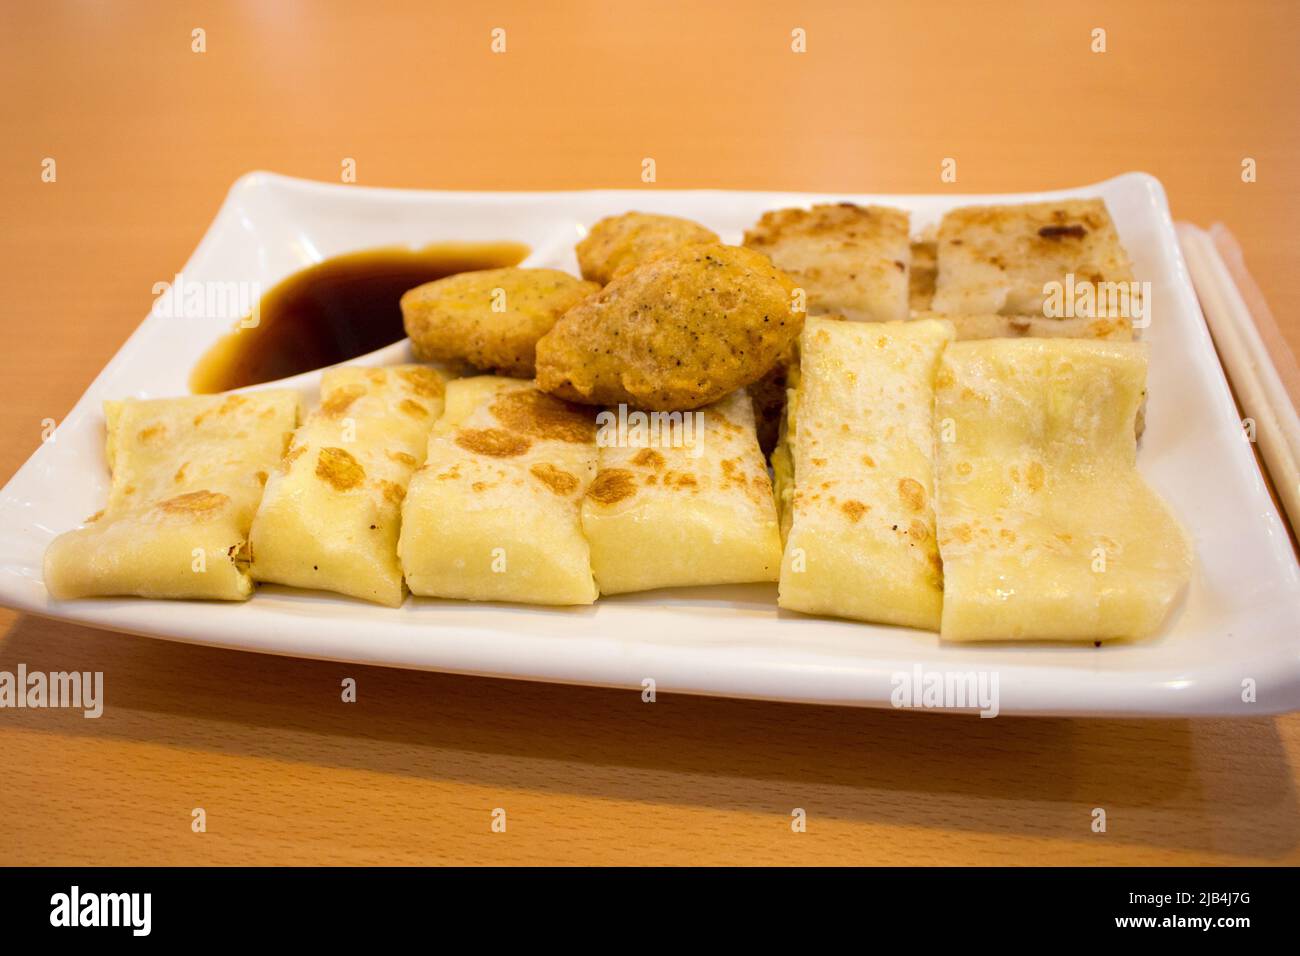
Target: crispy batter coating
851	260
674	333
617	243
490	319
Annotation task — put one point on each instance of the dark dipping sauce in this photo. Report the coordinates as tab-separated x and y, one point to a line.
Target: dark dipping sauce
336	310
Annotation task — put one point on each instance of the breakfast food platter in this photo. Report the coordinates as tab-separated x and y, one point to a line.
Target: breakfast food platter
700	591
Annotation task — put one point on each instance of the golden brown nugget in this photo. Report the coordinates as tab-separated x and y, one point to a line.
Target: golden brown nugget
1000	259
490	319
850	260
618	243
673	334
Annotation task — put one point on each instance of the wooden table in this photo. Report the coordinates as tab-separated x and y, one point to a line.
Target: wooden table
147	136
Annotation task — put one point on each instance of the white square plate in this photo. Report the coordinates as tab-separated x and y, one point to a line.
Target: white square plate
1238	621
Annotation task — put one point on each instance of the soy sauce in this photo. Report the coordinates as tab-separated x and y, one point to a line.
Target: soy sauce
335	310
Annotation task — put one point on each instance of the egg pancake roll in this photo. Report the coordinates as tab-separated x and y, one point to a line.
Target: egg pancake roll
187	474
1046	529
684	502
855	472
332	511
494	514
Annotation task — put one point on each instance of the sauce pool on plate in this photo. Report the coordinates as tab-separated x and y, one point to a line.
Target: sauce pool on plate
335	310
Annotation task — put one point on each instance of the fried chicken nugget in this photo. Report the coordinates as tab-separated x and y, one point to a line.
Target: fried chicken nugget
617	243
677	332
489	319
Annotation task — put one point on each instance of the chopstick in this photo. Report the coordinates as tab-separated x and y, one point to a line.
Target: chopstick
1255	376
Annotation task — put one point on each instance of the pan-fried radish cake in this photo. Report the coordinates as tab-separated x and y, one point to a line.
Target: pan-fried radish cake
849	260
855	473
187	476
1056	259
680	500
330	517
922	272
1046	529
494	514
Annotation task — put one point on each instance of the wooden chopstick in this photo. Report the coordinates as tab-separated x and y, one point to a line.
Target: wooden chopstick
1254	374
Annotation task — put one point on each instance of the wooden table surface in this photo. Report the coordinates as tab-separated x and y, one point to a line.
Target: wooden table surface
147	135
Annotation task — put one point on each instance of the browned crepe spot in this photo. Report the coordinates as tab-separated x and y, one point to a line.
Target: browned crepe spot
680	479
1034	476
196	504
290	457
533	413
855	510
912	493
393	493
339	400
648	458
425	382
612	486
559	481
339	469
231	403
494	442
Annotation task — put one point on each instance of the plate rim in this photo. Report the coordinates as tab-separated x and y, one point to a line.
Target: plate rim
1194	700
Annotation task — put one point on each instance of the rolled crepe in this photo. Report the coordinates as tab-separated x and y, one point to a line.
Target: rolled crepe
681	500
1046	529
494	513
995	326
855	473
187	476
332	511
